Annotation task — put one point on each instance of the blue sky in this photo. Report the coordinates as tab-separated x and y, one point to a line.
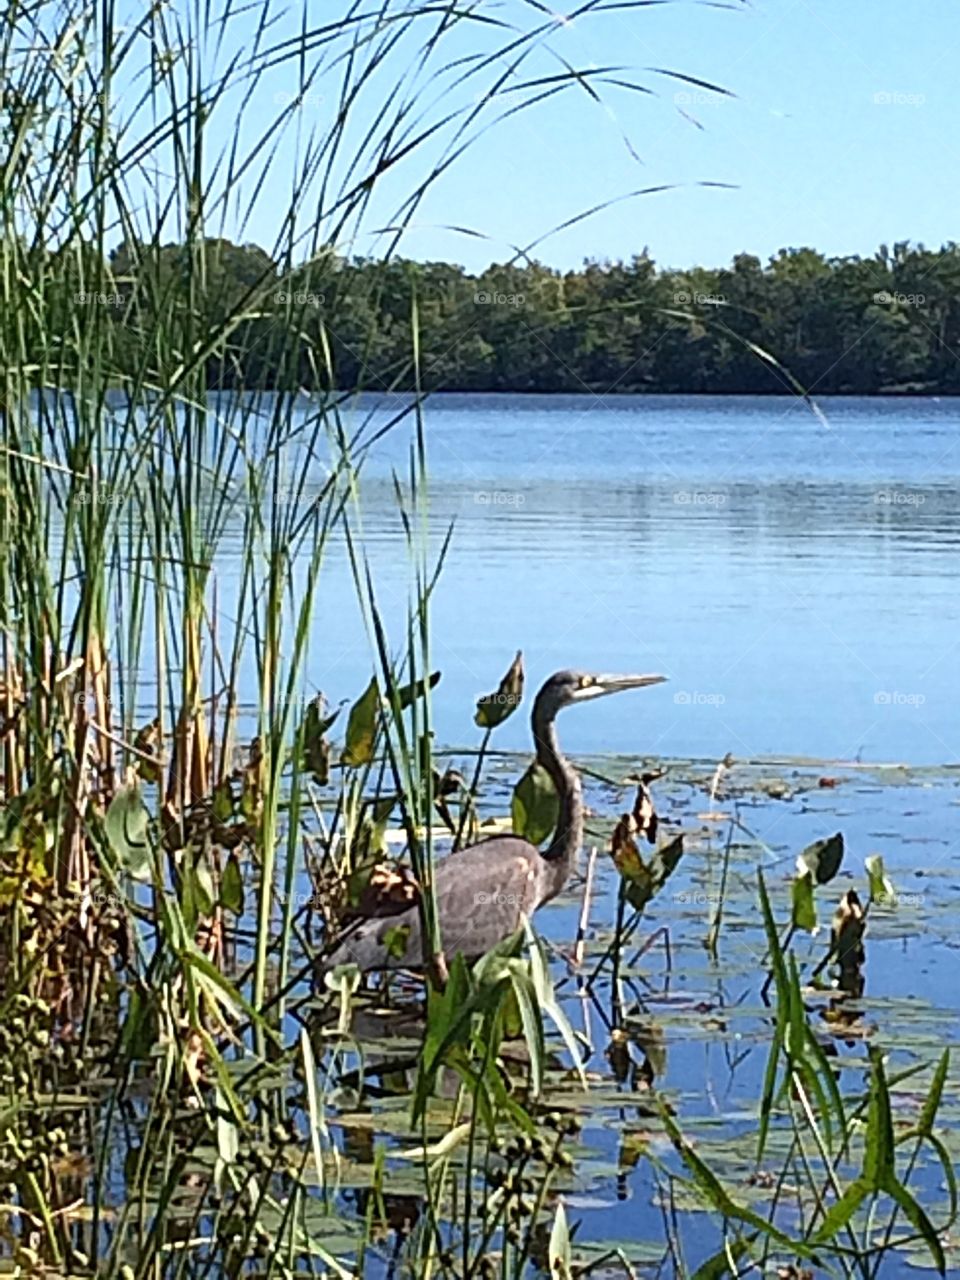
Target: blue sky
843	134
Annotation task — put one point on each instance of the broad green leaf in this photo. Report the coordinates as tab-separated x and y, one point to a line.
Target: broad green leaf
531	1020
494	708
928	1115
881	886
547	998
804	904
231	886
841	1211
664	861
408	692
919	1221
823	858
126	825
535	809
362	727
725	1261
224	804
879	1159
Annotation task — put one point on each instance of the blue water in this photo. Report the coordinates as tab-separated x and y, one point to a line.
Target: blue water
796	579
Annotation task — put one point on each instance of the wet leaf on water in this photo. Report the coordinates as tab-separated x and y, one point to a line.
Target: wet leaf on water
823	858
126	825
535	808
494	708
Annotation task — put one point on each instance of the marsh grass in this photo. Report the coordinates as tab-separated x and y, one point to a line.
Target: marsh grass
153	837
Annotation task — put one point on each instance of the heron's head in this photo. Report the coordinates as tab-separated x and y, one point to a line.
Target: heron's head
564	688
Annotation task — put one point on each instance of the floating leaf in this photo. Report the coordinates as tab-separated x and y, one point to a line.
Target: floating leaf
823	857
535	809
126	826
494	708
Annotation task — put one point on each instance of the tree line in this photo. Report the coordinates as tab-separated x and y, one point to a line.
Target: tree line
889	323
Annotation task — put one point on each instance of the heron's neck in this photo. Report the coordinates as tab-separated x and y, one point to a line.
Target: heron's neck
568	835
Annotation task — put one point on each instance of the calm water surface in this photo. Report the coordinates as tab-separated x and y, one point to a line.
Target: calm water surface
795	579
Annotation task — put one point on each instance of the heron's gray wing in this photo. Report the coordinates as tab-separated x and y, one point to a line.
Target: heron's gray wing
481	893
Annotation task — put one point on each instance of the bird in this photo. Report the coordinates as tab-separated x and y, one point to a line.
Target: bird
485	891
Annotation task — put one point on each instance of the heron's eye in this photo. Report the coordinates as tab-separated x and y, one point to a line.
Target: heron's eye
586	682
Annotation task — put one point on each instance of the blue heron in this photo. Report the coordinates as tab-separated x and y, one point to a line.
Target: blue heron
484	891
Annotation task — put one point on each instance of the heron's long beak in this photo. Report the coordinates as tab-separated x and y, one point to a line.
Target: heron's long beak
614	684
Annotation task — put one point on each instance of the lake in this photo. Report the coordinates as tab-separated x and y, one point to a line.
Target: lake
795	577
